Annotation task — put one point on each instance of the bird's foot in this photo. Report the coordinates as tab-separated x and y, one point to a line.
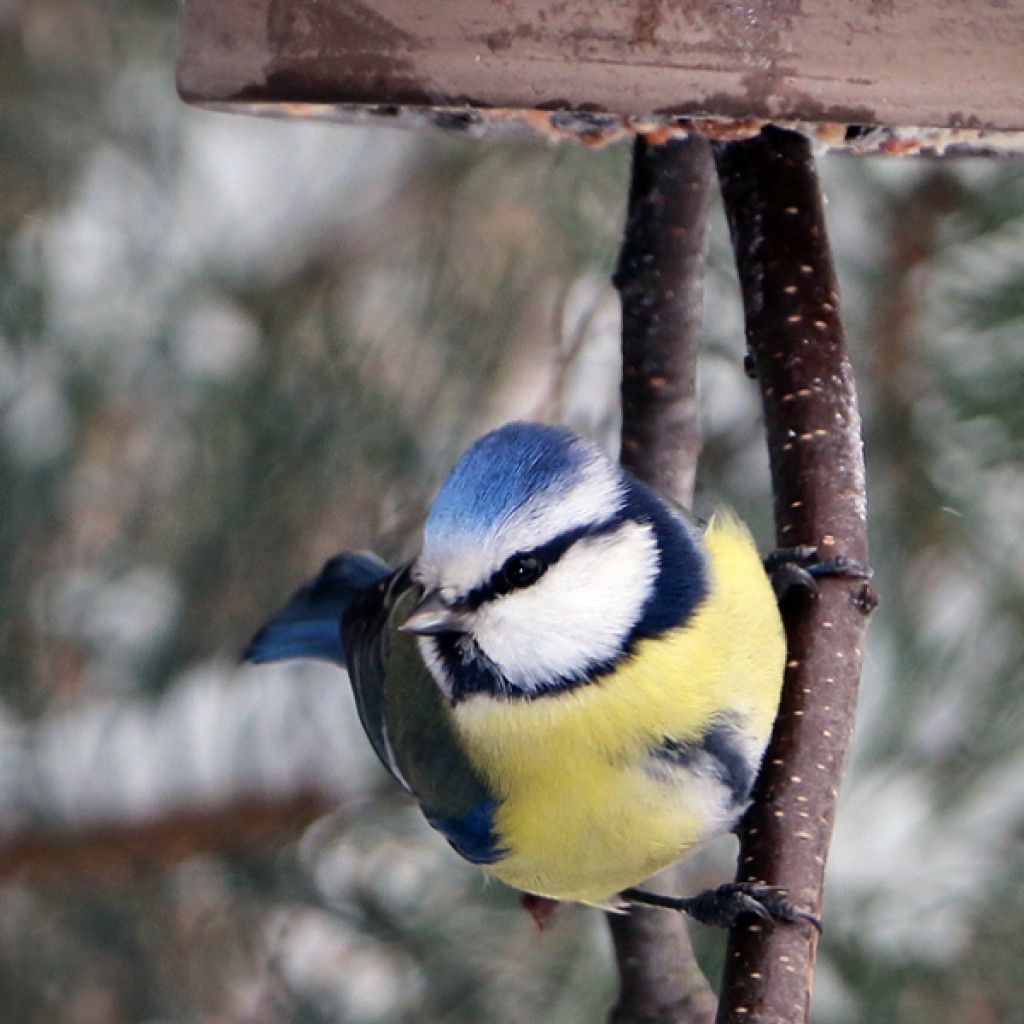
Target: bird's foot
540	908
724	906
799	568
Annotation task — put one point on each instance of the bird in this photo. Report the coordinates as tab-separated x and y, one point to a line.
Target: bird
575	679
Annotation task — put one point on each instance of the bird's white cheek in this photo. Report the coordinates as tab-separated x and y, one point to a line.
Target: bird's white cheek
577	615
435	663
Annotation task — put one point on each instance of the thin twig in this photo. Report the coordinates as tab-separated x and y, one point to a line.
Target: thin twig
660	281
790	297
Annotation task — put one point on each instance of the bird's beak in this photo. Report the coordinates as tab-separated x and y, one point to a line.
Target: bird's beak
432	616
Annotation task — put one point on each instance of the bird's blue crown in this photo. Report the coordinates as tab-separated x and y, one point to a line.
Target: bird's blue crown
501	472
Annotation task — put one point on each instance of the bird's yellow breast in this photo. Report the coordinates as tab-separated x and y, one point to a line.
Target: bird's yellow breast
582	815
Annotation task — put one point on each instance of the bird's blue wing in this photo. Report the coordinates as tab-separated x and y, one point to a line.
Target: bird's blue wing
415	726
349	615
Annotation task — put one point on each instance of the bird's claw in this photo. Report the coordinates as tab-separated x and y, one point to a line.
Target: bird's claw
799	568
724	906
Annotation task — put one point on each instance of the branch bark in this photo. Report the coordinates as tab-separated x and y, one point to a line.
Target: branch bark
795	337
660	278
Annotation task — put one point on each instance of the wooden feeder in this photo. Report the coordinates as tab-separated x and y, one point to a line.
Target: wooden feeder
867	75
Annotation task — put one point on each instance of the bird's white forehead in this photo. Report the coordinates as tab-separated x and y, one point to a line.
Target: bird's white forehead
459	560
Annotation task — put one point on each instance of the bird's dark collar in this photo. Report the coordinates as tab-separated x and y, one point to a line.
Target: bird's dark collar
679	588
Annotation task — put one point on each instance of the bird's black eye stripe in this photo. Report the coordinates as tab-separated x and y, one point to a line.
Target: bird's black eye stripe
528	566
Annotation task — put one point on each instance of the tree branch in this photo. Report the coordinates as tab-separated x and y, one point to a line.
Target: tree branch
795	337
660	279
117	850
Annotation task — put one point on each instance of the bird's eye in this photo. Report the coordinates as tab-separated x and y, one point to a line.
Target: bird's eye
522	570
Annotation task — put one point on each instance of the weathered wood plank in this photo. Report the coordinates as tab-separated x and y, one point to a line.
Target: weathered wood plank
945	63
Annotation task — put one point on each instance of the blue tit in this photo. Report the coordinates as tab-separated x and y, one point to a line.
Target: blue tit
573	679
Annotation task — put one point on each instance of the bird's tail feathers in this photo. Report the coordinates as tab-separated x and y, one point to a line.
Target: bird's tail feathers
309	625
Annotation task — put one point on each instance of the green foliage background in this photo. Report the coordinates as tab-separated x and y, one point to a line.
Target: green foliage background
229	348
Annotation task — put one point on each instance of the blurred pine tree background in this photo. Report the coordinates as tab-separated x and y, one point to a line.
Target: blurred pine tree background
229	348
